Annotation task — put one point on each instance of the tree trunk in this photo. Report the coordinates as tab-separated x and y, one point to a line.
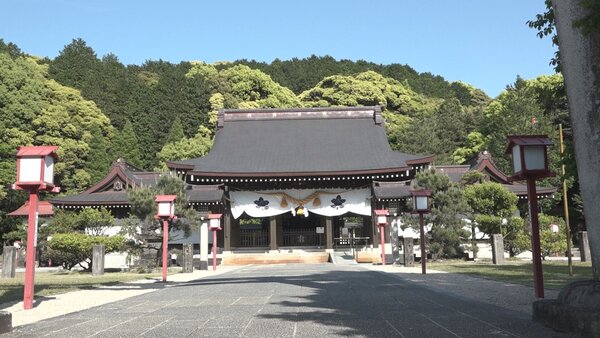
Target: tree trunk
580	62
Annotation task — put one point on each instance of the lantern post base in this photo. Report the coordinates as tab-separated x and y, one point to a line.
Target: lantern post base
422	244
30	250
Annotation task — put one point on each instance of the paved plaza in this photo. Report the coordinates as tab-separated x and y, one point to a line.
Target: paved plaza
296	300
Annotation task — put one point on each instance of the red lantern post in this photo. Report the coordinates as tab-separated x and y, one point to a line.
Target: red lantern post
215	225
381	216
166	212
530	162
421	206
35	172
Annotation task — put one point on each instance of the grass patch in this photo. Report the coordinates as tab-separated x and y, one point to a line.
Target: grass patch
52	283
556	273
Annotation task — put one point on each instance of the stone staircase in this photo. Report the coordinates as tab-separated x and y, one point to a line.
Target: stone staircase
343	257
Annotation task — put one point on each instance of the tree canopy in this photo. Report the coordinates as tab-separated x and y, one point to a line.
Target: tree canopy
35	110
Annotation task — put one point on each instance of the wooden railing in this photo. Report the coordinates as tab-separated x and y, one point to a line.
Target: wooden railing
254	238
302	237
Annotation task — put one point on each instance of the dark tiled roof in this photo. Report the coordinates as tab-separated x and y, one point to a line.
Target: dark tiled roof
484	164
206	193
100	198
383	190
521	189
455	172
120	197
300	141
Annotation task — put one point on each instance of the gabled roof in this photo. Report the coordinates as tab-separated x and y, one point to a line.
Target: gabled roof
36	151
391	190
112	189
300	142
44	209
482	163
127	174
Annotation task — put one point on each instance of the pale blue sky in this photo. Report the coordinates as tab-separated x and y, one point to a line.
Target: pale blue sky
482	42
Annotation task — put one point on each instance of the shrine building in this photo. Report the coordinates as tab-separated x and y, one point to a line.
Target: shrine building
293	184
299	179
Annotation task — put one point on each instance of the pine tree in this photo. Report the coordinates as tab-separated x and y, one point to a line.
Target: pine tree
176	132
126	146
99	159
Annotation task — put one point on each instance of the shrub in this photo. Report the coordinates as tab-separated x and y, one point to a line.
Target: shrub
71	249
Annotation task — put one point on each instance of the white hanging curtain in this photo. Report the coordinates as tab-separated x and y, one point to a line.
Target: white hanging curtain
322	202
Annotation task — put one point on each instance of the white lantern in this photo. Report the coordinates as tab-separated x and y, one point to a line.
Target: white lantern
214	221
529	156
421	200
381	216
35	166
166	206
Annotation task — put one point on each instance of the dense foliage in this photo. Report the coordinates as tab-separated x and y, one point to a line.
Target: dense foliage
69	237
448	213
75	249
143	230
494	210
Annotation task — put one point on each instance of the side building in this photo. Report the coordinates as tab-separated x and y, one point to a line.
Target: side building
111	193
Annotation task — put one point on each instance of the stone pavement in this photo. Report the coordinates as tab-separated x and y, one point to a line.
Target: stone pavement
301	300
509	296
61	304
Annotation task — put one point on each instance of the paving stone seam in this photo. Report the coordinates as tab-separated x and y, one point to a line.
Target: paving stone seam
395	329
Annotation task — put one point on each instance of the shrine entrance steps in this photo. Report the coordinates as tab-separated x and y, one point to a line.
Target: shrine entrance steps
343	257
280	256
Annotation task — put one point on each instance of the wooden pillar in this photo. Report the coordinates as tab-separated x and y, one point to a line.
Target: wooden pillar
235	233
329	232
374	233
273	233
227	231
279	226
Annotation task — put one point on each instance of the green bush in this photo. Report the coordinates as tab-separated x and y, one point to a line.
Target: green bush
552	242
72	249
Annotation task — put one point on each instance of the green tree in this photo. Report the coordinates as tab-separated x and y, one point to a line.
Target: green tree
243	87
125	145
36	111
99	160
11	227
69	237
365	89
185	149
448	234
176	133
76	65
143	229
552	242
73	249
11	49
494	208
303	74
